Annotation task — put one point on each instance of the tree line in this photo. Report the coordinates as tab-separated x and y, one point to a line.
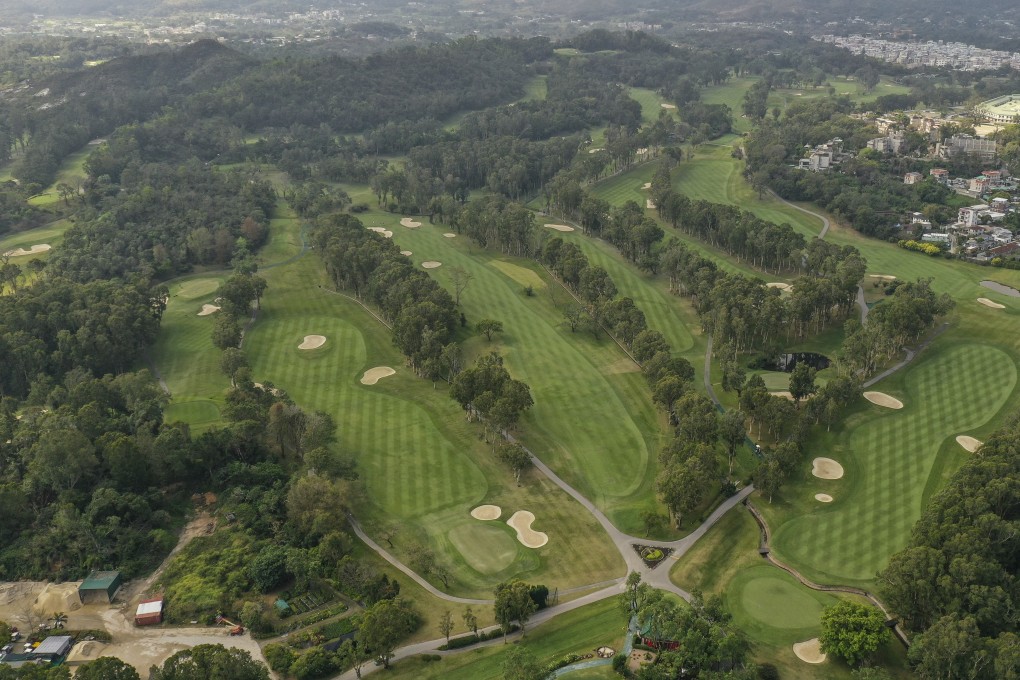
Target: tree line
955	584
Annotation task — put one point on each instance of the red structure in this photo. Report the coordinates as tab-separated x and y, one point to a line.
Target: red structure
149	612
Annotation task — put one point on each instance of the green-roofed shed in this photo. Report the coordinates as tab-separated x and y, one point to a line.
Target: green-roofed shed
99	586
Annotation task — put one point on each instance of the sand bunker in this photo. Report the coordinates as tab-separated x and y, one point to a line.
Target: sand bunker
272	390
409	223
431	264
969	443
646	185
34	250
54	597
312	342
884	277
988	303
650	204
449	234
595	150
406	253
386	233
208	309
668	106
780	285
521	521
487	512
826	468
823	498
785	394
374	375
809	651
883	399
559	227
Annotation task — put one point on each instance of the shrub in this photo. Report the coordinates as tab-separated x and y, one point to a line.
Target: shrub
767	671
269	568
280	658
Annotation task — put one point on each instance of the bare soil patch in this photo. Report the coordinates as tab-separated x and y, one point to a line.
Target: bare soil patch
883	399
487	512
826	468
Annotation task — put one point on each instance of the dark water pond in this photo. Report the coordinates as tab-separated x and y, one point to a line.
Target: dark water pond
999	288
787	362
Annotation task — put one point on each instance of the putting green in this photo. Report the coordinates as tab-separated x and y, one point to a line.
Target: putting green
892	456
773	599
196	288
485	548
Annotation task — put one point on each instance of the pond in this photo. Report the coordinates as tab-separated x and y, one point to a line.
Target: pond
999	288
787	362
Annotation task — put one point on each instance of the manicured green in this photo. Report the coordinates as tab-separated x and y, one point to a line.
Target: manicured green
769	597
593	419
888	457
421	464
580	631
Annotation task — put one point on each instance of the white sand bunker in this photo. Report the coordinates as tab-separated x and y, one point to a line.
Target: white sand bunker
826	468
386	233
883	399
208	309
884	277
521	521
646	185
650	204
409	223
595	150
431	264
312	342
374	375
809	651
668	106
449	234
969	443
989	303
559	227
34	250
487	512
406	253
823	498
785	394
780	285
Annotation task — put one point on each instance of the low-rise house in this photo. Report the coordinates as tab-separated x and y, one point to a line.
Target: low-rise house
912	178
940	174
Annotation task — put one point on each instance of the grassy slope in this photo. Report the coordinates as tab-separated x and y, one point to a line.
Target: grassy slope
71	170
580	631
715	176
593	419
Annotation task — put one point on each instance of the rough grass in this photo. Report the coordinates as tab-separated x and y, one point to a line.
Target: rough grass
580	631
889	457
52	233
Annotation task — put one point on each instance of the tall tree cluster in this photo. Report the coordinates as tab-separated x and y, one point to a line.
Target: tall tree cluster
422	315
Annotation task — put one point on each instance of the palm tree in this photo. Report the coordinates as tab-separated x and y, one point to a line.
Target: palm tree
59	619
